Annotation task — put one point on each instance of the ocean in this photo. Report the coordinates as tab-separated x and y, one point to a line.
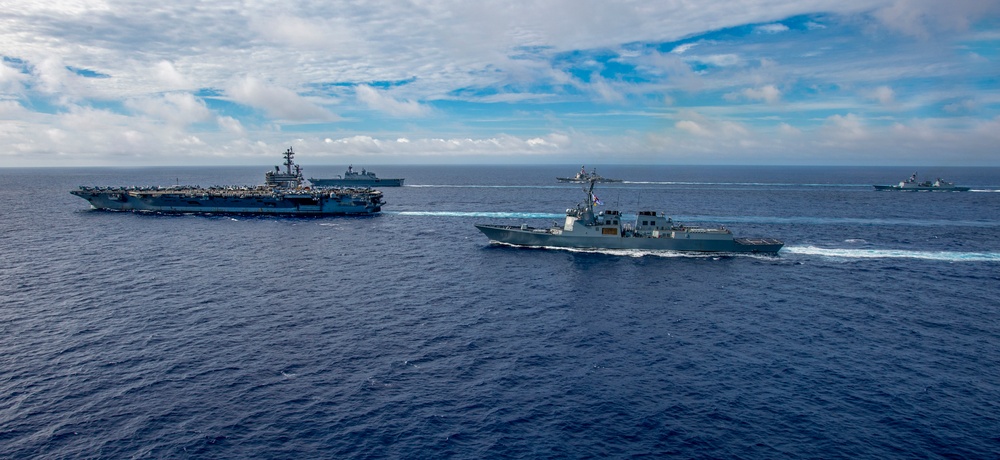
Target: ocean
874	333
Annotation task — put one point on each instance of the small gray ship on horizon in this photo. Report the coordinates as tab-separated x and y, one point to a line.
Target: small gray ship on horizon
284	193
583	177
586	229
912	185
352	178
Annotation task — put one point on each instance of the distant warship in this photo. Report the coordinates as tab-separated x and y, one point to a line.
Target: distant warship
584	228
912	185
283	193
583	176
353	178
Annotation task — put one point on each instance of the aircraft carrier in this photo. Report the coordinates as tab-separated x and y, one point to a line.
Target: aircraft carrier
283	193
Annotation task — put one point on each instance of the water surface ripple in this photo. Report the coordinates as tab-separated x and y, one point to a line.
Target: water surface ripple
873	334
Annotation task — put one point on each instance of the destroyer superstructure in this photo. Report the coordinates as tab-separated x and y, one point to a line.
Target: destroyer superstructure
913	185
585	228
283	193
583	177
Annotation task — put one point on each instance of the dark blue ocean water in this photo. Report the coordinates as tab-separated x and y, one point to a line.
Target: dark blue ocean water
875	333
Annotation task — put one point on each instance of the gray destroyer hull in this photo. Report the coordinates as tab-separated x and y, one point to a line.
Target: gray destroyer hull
920	188
913	185
539	237
586	228
261	202
578	180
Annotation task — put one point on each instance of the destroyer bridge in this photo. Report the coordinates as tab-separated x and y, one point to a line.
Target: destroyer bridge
283	193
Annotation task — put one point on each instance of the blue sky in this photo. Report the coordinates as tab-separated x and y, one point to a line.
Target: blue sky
893	82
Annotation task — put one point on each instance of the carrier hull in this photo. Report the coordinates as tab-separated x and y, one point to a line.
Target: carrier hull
194	200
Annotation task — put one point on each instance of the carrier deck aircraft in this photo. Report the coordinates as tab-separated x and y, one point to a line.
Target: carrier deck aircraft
283	193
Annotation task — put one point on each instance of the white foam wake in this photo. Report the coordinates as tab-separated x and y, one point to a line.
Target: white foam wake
501	215
947	256
646	252
722	219
482	186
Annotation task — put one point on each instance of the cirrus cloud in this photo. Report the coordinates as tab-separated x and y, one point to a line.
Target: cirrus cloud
378	100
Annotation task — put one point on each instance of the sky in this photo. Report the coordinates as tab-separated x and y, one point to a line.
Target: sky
738	82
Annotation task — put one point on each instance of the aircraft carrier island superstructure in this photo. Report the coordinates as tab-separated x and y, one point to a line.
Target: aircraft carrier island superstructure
283	193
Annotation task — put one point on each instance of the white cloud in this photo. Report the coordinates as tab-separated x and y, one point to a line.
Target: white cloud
672	67
173	108
167	75
883	94
320	33
84	134
606	90
281	103
963	106
845	126
378	100
681	49
52	76
989	129
11	110
11	80
231	125
504	145
719	60
789	130
771	29
692	127
768	93
509	61
711	127
924	18
73	7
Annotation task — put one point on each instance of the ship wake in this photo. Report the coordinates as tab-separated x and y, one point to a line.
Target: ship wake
944	256
498	215
644	252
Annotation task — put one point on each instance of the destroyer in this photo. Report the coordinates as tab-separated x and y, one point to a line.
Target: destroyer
584	228
583	177
283	193
911	185
353	178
